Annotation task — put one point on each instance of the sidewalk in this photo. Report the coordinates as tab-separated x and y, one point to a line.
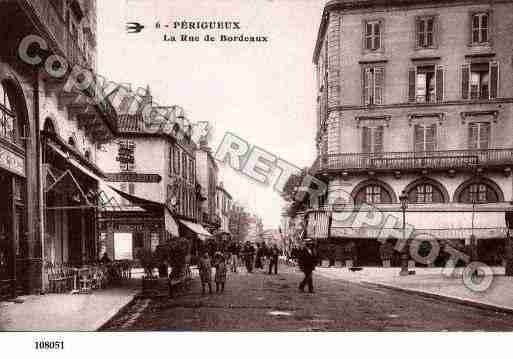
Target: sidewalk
67	312
431	282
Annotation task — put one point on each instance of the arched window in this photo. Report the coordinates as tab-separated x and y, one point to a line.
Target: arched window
479	191
373	192
7	115
426	190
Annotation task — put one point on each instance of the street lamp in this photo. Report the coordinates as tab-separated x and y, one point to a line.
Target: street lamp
403	198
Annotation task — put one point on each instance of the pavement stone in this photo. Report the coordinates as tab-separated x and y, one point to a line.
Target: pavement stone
67	312
431	282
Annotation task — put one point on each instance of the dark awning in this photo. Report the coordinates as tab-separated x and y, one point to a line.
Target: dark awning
67	184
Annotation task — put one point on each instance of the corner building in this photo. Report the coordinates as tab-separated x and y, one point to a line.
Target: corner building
415	96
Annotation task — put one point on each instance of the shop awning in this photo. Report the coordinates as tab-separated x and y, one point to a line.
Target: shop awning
108	201
67	184
196	228
72	157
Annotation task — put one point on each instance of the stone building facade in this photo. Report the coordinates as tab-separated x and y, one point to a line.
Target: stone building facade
224	206
157	196
50	133
416	96
207	176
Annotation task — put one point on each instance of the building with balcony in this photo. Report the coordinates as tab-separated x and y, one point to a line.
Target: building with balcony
415	97
49	135
157	195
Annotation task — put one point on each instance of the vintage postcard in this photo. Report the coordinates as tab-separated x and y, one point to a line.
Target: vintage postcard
255	166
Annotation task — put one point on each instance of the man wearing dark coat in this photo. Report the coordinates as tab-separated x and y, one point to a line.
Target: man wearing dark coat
307	260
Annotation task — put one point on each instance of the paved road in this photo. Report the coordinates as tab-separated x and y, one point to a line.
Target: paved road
258	302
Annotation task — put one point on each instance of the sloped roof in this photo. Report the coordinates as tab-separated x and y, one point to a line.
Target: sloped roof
130	123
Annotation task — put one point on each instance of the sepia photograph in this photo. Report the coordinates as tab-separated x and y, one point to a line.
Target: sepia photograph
256	167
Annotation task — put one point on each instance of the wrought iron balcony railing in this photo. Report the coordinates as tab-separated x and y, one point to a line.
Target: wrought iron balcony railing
437	160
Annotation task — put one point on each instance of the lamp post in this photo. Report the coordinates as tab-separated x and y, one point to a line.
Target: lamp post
472	239
507	245
403	198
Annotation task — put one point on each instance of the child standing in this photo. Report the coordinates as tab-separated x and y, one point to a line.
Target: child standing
205	272
220	272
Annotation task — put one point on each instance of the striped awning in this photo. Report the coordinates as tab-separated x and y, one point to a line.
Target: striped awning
318	225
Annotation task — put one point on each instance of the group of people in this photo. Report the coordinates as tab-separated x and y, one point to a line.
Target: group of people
255	257
305	254
205	272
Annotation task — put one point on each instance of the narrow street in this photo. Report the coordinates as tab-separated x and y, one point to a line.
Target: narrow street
259	302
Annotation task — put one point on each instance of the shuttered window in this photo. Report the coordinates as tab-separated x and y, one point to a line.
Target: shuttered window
372	35
479	135
426	84
480	28
425	138
373	81
426	32
480	81
372	139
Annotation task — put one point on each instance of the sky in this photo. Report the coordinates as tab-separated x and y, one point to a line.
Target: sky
262	91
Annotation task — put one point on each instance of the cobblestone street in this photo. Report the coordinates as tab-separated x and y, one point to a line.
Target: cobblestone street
259	302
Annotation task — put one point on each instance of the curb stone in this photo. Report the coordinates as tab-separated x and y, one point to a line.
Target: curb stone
467	302
102	323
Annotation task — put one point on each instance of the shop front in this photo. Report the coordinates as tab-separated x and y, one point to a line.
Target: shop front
13	194
70	208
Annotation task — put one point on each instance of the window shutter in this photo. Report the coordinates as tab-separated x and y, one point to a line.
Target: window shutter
465	81
475	28
430	144
494	79
367	86
484	135
378	140
131	188
420	33
366	138
411	84
377	35
368	36
378	85
418	135
439	84
472	136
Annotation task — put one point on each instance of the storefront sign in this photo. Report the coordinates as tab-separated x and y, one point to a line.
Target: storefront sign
12	162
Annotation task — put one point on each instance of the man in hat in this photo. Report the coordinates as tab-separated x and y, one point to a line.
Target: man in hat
307	260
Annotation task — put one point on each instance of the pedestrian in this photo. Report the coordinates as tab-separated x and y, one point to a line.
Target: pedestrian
307	261
205	272
259	255
234	253
274	252
248	254
221	270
